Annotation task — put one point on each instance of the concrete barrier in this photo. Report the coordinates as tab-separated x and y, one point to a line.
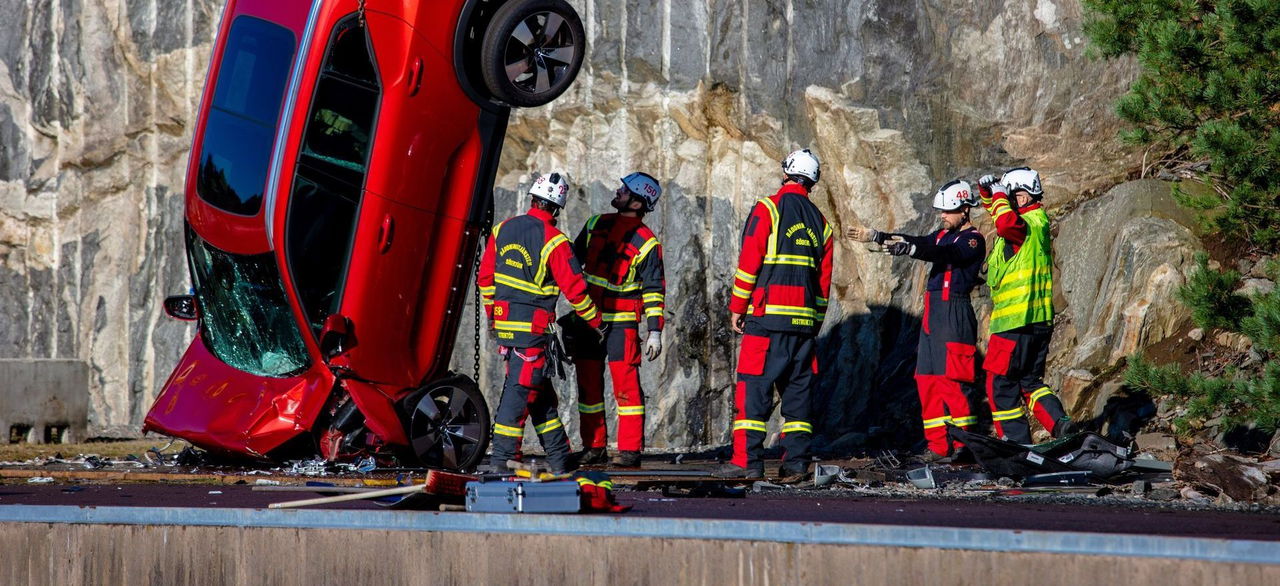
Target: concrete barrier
38	396
119	545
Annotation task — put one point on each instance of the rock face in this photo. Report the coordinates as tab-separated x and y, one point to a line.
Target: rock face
96	101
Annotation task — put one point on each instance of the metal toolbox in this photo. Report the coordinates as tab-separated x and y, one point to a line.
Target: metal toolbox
516	496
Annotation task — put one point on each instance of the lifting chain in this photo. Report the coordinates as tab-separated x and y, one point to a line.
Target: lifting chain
484	236
360	11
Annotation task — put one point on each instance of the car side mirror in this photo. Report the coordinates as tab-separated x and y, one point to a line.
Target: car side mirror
335	336
183	307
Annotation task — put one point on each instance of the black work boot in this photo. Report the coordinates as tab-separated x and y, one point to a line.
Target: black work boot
791	474
731	470
1065	427
626	460
592	457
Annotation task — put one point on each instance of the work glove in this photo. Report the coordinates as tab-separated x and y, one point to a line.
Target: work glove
653	345
901	248
867	235
985	186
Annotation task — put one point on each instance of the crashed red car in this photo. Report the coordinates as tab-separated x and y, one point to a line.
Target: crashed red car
340	180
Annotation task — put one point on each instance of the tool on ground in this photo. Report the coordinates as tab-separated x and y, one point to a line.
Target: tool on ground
535	471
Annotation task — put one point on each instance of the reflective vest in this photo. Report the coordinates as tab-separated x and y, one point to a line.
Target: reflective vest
622	263
788	296
1022	284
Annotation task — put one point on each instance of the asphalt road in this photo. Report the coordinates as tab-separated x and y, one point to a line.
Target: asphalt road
1083	516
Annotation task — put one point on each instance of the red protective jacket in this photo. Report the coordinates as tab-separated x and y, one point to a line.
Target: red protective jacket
526	265
622	259
784	270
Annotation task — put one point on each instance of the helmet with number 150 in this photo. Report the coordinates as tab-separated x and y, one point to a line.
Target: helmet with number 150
645	187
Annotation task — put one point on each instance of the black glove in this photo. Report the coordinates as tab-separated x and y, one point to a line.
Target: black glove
901	248
879	237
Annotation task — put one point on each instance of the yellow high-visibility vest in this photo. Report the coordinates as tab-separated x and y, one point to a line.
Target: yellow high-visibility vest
1022	286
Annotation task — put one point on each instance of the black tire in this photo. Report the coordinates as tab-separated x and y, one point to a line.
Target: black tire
457	437
532	51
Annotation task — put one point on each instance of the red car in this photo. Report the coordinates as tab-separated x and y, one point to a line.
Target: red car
340	180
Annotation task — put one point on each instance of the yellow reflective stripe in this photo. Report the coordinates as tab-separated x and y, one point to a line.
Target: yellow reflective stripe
604	283
653	312
740	292
550	425
654	298
486	300
772	248
632	410
826	233
490	290
507	430
821	300
525	286
792	310
1006	415
749	425
513	326
593	408
615	317
1010	289
1021	308
581	305
797	427
790	259
589	314
551	245
936	422
745	277
645	249
1040	393
964	421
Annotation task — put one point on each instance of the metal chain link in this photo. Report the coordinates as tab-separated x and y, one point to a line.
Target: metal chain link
476	278
360	11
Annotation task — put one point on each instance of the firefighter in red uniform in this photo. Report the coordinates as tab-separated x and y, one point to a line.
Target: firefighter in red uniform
526	265
949	330
622	261
778	302
1020	275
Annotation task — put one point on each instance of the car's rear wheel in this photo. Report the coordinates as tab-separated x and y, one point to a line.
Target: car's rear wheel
532	51
449	426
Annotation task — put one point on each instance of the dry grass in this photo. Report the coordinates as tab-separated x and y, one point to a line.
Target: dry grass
22	452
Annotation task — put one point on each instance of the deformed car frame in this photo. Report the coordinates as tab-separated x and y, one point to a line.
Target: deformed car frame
340	179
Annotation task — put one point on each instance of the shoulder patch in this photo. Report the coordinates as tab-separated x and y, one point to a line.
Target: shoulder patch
973	243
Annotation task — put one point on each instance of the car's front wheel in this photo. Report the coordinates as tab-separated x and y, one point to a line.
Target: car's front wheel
449	425
532	51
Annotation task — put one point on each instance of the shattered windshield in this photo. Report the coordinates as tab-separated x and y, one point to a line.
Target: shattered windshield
244	316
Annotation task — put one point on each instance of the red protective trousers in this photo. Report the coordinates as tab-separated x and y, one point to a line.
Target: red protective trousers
943	364
621	349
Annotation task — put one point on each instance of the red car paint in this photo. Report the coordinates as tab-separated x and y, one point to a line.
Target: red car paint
424	201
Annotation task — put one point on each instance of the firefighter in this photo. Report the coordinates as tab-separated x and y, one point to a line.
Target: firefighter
778	301
1020	274
526	265
949	330
622	262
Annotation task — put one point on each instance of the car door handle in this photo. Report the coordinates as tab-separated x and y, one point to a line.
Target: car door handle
385	233
415	76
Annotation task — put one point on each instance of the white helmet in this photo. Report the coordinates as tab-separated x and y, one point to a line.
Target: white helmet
954	196
551	187
645	187
802	163
1023	178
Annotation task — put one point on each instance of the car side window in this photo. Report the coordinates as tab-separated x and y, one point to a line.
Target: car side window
240	126
330	176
